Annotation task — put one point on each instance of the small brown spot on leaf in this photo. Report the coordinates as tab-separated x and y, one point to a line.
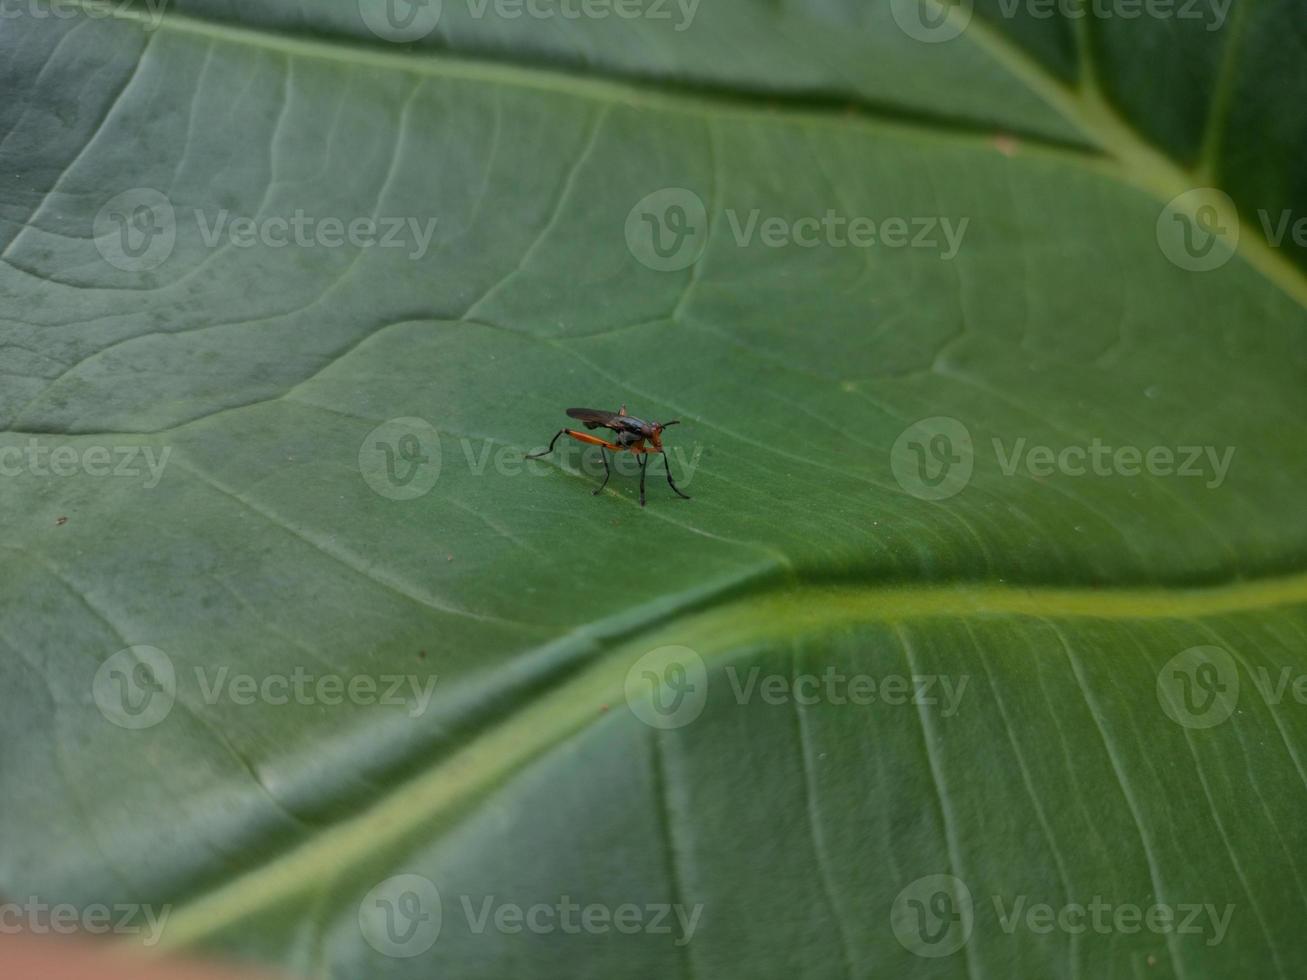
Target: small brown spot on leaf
1005	145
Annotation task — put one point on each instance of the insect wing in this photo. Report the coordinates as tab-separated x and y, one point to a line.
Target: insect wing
594	417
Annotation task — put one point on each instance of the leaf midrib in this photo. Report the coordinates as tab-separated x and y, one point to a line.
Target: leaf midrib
434	798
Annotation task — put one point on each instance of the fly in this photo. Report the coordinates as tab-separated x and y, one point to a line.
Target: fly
630	434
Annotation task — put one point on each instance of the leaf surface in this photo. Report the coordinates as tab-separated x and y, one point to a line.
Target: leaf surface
1052	602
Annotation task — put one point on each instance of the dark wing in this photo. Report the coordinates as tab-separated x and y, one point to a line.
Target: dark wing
594	418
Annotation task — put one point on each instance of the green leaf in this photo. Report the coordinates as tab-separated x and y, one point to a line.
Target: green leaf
991	595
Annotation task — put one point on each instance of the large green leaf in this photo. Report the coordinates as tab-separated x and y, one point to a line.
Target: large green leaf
1114	718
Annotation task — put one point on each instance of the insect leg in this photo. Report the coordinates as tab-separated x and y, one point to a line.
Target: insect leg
592	440
550	449
607	472
670	482
579	437
644	461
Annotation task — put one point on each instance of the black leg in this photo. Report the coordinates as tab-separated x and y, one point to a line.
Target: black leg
670	482
644	461
549	450
607	472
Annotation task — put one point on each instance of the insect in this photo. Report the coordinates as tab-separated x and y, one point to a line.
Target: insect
630	435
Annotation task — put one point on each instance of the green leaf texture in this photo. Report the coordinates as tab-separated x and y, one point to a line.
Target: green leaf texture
1033	657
